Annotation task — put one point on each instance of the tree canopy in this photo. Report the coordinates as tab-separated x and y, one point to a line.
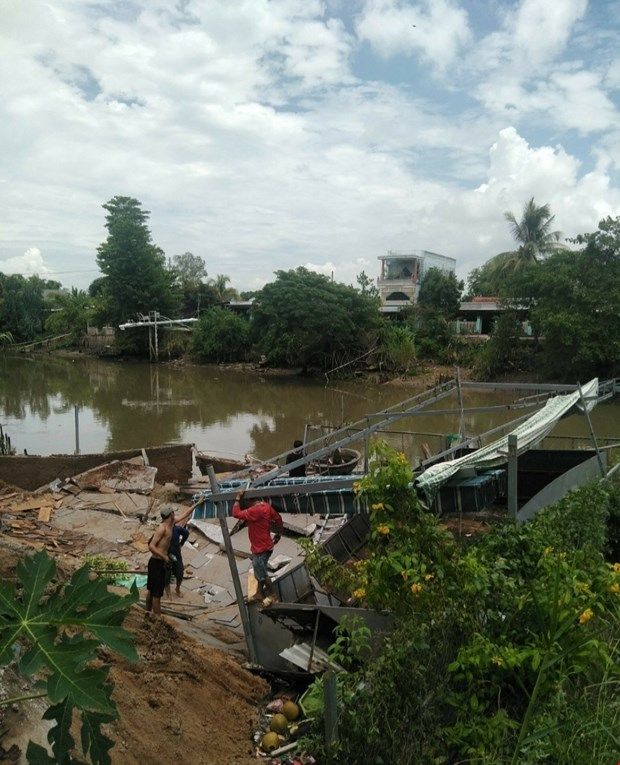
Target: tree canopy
440	291
536	240
136	277
574	300
302	318
22	306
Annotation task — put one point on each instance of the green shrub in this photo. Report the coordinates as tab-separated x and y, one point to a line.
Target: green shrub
396	348
504	650
221	336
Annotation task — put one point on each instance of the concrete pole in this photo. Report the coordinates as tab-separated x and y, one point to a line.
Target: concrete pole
331	708
512	476
156	338
76	412
234	572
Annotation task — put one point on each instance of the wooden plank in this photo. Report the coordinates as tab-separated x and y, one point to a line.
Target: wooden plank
45	513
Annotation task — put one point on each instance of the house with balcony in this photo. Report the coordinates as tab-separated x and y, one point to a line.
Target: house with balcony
401	274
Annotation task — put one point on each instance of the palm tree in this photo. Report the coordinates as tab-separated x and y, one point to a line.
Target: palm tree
534	235
222	292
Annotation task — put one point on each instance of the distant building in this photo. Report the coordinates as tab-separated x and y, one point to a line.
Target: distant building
401	274
478	316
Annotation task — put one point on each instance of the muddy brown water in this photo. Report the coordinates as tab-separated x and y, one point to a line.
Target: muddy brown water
124	405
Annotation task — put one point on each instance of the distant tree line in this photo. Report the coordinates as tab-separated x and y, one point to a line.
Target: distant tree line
303	319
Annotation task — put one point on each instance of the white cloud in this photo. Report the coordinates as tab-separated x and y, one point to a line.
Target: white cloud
435	29
244	129
29	264
542	29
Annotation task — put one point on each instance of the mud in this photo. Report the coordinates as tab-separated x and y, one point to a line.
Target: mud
182	702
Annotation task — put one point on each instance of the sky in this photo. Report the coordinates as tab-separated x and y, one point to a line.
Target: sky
264	135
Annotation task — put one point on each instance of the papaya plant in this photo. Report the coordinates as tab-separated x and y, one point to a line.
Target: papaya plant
56	627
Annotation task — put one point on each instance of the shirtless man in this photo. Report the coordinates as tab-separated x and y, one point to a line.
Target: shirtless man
158	547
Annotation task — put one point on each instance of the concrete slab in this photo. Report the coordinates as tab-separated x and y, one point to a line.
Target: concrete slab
212	529
119	476
301	523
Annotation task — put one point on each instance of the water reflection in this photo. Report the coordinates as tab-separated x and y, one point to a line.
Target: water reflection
129	404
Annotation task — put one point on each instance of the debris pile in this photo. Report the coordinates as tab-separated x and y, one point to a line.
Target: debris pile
280	726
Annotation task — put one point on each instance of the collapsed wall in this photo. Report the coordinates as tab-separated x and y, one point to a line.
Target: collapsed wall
173	463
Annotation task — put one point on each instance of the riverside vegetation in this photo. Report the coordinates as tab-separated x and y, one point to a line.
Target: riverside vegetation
304	320
505	647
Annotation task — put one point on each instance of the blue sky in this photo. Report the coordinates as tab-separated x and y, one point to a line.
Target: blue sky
266	135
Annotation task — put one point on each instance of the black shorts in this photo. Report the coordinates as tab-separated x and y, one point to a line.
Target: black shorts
176	569
156	579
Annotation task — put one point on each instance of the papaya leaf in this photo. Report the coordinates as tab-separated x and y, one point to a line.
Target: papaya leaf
59	735
38	755
41	613
93	740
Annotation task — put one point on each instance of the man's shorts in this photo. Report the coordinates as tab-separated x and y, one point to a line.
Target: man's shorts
176	569
259	564
156	579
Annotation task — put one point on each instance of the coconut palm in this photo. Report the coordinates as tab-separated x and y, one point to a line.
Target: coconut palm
222	292
534	235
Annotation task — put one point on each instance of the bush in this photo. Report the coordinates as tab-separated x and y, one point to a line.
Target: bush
396	348
503	650
221	336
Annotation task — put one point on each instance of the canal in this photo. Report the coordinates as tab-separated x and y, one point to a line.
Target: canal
124	405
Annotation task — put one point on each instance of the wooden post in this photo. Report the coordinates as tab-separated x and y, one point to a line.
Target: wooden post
331	708
512	476
156	338
592	436
76	412
460	394
234	572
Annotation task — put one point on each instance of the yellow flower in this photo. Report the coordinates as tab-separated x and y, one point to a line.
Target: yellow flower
586	616
416	588
377	506
548	550
356	486
359	593
615	587
616	568
428	577
498	661
383	528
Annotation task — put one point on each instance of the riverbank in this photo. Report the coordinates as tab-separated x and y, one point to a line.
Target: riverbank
426	375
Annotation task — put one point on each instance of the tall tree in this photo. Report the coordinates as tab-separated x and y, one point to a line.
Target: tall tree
221	290
22	306
191	270
440	291
575	305
190	273
536	240
304	319
137	280
534	235
367	285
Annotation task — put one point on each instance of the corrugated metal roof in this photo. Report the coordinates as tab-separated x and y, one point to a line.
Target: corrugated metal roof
299	655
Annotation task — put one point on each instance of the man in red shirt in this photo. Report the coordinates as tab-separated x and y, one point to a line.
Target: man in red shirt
260	517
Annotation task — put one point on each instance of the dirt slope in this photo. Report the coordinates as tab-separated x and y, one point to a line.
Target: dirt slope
183	702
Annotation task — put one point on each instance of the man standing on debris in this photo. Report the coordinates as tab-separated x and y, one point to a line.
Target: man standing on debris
179	537
260	517
296	454
159	545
